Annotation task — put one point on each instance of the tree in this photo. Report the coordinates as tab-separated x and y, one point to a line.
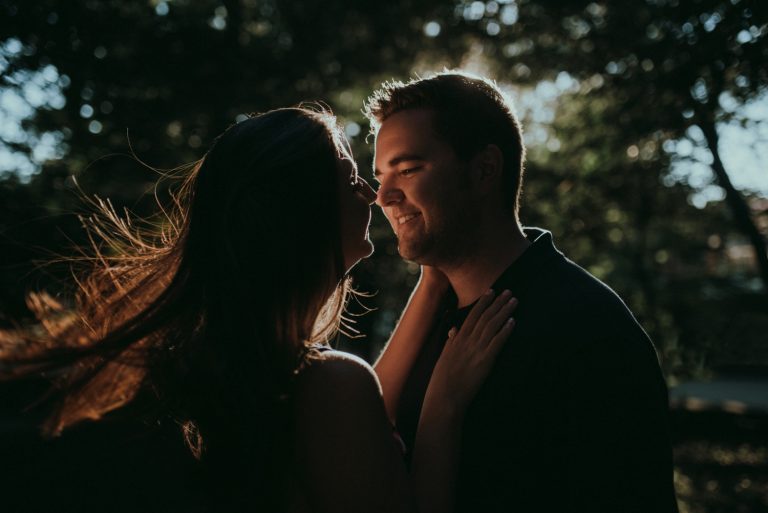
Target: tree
667	259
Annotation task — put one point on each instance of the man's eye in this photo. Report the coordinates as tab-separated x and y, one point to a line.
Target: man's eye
409	170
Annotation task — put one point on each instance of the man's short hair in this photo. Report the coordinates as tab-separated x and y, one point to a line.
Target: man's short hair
470	112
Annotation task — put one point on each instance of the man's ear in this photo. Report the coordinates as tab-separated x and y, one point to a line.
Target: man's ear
487	168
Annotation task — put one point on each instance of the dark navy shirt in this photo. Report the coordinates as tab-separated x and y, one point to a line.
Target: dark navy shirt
573	416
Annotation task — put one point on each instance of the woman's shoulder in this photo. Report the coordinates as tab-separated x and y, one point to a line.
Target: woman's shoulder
328	370
335	381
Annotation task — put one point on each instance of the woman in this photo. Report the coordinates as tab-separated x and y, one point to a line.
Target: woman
222	315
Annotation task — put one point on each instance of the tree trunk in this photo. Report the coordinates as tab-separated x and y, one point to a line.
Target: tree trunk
738	206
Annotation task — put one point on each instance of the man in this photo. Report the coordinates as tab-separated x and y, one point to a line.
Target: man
573	416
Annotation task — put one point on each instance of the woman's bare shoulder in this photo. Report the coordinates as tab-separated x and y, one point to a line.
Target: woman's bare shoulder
337	373
331	369
343	437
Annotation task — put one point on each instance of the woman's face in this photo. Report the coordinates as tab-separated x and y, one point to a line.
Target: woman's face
355	200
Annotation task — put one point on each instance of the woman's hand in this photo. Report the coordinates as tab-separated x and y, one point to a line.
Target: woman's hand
470	353
462	368
395	363
434	279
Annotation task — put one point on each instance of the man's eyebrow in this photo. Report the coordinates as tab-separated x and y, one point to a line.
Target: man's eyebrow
398	159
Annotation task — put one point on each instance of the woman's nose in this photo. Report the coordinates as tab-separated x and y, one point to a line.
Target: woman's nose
368	192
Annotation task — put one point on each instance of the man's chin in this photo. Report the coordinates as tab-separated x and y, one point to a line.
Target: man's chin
413	253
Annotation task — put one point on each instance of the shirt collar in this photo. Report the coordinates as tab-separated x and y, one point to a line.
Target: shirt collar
520	273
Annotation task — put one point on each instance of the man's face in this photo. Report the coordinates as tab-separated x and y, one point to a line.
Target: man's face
424	189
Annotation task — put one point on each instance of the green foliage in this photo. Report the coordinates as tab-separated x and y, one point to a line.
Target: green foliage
612	214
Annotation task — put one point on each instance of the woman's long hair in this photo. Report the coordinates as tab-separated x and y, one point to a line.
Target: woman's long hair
216	310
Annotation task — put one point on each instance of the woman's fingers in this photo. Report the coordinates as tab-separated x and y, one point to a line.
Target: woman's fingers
478	330
497	342
485	319
477	310
495	323
469	352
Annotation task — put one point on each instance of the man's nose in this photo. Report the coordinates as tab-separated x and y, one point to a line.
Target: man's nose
388	195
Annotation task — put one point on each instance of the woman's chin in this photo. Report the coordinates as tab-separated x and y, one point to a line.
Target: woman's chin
366	250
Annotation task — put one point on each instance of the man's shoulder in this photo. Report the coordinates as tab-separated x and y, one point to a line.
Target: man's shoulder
574	280
563	284
569	306
552	276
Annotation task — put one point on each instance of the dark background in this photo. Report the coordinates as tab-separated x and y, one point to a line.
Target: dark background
624	106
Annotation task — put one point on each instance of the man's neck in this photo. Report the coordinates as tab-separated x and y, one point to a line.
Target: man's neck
491	254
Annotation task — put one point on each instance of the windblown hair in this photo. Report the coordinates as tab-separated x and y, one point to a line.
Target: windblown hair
215	311
469	113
